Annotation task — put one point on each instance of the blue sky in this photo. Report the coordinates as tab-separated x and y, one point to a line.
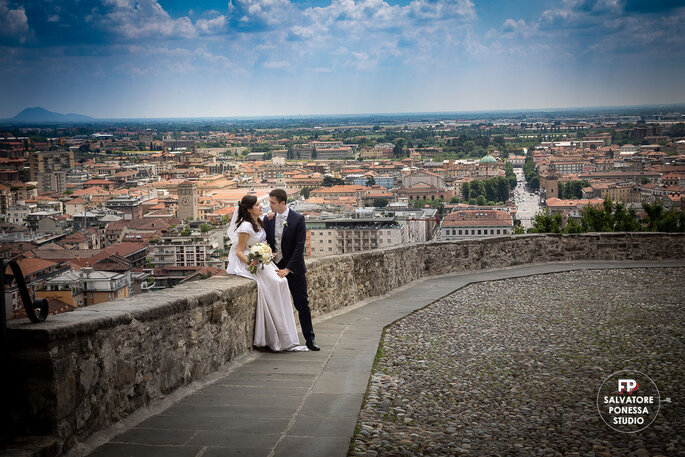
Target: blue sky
171	58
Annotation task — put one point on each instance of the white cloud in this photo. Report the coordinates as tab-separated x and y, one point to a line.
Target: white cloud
440	10
211	26
268	12
145	18
382	31
276	64
13	22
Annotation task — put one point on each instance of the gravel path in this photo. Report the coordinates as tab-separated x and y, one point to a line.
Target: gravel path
513	368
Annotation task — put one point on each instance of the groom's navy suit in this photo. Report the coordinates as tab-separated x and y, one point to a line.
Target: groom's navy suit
292	245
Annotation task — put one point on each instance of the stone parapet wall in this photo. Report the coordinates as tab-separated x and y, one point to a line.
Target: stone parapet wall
80	372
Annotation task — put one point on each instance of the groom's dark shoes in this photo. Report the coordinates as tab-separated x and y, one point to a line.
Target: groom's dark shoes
312	346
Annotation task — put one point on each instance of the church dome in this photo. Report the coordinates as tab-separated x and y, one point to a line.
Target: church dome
488	159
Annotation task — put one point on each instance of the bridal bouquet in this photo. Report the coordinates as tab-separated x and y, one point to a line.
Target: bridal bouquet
261	252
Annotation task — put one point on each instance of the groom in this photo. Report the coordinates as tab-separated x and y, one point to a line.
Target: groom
286	234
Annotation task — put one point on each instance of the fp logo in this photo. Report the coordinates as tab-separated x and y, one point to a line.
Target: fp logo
627	385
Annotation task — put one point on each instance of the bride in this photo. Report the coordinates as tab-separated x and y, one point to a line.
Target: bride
274	321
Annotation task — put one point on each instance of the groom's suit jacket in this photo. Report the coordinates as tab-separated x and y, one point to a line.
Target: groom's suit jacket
292	241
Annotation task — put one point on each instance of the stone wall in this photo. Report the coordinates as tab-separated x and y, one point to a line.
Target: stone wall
82	371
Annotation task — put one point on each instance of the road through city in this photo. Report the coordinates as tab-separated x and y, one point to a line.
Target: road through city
527	203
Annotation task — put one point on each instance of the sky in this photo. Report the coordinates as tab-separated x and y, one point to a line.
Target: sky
172	58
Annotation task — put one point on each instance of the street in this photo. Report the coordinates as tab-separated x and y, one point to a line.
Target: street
527	203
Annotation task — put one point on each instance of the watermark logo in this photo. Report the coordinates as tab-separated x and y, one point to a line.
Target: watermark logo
627	385
628	401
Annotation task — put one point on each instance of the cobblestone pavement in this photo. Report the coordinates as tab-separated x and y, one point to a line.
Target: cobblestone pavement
513	367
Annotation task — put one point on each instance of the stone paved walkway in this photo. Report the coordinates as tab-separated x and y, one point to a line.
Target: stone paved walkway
297	404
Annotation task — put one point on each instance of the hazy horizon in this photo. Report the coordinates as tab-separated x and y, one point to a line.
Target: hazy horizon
152	59
618	110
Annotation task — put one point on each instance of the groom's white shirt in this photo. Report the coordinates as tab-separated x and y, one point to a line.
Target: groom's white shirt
278	233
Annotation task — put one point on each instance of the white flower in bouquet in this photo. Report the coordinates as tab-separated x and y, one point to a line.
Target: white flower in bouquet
261	252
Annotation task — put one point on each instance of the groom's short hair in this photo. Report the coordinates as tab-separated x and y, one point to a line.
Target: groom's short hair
280	195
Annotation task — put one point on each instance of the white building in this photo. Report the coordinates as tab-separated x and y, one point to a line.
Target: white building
629	149
186	251
17	214
474	223
342	236
88	287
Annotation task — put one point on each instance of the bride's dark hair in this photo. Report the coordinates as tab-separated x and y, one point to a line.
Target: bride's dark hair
247	202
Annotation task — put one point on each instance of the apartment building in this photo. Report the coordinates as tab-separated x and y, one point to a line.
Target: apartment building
334	153
342	236
303	151
185	251
624	192
87	287
131	207
45	161
470	223
568	164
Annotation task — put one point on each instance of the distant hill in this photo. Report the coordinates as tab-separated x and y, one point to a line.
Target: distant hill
41	115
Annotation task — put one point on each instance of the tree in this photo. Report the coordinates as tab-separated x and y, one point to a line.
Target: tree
477	188
398	149
518	228
511	176
502	191
465	191
659	221
655	212
380	202
597	219
490	189
547	223
534	183
330	181
673	221
204	228
305	191
625	220
371	181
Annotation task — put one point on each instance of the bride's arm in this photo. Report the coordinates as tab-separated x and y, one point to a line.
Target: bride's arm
242	246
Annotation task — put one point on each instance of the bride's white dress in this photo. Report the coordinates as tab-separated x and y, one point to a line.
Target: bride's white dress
274	321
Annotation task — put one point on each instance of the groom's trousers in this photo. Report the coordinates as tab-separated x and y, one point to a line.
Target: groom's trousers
298	289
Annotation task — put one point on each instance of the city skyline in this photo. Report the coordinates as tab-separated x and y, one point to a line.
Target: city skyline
162	59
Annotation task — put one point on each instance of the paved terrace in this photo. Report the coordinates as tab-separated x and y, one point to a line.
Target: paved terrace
294	404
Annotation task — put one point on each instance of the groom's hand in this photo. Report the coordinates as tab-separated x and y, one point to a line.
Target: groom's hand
282	273
270	215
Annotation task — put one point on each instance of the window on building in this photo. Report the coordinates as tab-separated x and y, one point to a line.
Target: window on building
498	231
459	232
330	249
479	231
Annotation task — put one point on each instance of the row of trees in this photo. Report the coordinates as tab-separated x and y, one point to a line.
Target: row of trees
531	173
493	189
613	217
572	189
511	176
